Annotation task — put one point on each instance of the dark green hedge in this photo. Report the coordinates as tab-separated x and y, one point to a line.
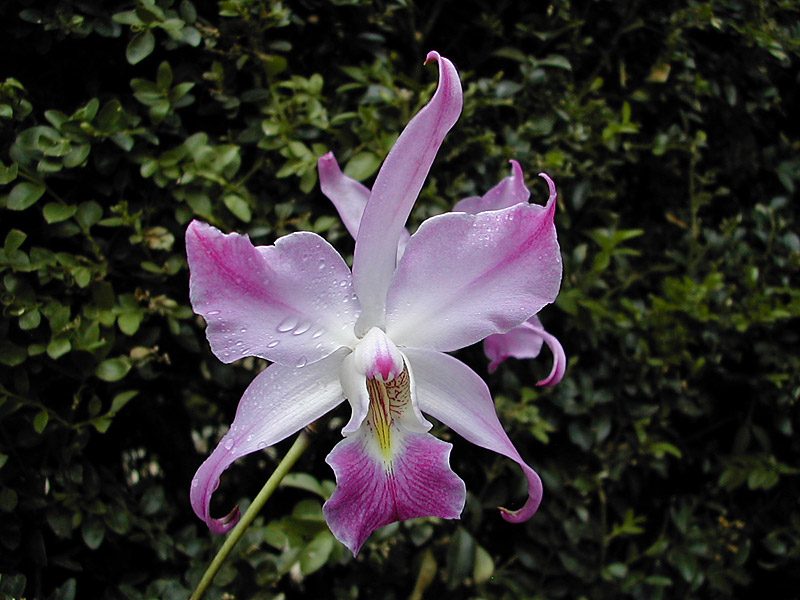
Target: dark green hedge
669	452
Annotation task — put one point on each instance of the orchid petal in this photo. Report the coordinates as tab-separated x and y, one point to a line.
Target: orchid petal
451	392
508	192
280	401
464	277
348	195
289	303
395	190
525	341
354	385
559	360
372	492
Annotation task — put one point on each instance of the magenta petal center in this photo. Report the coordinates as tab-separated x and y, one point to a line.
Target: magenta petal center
372	492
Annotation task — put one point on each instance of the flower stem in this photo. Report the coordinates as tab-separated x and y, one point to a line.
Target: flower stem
283	468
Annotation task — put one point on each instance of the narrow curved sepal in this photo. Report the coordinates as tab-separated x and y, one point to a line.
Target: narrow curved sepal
280	401
451	392
395	190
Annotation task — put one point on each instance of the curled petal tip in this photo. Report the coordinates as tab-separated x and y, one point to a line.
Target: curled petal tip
226	523
432	55
508	515
551	187
559	360
517	516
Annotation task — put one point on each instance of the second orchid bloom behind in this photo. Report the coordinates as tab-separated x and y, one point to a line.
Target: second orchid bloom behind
377	336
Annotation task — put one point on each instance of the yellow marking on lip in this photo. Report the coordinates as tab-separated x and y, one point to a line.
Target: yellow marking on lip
387	402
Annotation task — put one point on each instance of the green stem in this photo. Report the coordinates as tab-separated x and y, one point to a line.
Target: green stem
300	444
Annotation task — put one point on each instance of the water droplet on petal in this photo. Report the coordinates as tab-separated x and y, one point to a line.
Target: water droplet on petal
287	324
212	313
195	483
321	263
302	328
318	333
228	444
273	343
302	362
262	445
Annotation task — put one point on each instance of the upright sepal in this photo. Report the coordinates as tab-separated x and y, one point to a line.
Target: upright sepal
396	189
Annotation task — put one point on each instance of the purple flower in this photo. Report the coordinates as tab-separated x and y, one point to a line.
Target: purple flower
376	337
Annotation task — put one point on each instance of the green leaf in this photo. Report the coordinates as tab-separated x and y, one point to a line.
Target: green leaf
484	565
89	213
55	212
58	347
129	322
8	500
93	532
40	421
238	206
316	553
113	369
24	194
164	76
14	240
304	481
8	174
77	156
140	47
362	165
109	115
11	354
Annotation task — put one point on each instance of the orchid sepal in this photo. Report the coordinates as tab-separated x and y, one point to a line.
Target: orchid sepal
394	192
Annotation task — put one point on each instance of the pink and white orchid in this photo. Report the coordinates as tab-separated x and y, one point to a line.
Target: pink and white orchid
350	197
376	337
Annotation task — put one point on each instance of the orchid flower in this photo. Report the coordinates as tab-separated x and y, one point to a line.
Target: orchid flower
350	197
376	336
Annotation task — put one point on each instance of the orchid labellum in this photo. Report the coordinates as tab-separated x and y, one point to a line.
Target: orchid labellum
377	336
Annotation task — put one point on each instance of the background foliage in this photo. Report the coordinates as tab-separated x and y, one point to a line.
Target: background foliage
669	453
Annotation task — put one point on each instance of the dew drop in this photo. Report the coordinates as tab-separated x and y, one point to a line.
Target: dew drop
287	324
321	263
318	333
195	483
302	362
302	328
273	343
243	330
213	313
228	444
262	445
343	283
